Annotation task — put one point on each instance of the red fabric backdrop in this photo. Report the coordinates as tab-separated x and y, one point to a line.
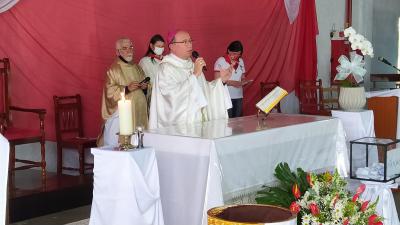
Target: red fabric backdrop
65	47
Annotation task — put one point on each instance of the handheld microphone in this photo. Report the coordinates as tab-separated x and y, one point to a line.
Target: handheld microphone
196	55
380	58
146	80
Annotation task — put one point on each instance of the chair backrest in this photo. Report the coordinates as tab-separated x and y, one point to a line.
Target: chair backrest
385	115
267	87
4	77
68	116
331	97
311	97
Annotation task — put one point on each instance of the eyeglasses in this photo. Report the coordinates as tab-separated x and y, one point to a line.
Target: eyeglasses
190	41
130	48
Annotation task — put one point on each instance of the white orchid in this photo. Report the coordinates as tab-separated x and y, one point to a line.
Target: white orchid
359	42
355	65
349	32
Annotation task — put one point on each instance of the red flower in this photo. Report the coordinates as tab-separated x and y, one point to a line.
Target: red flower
309	179
364	206
355	197
294	207
346	222
374	220
360	189
314	209
296	191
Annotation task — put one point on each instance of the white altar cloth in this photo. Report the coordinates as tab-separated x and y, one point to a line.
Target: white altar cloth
4	161
126	188
202	165
388	93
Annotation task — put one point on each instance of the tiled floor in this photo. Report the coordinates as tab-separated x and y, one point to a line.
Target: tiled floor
77	216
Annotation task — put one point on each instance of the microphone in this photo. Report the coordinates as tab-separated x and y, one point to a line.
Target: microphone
196	55
380	58
146	80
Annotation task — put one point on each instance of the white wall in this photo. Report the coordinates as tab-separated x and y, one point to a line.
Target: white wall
328	14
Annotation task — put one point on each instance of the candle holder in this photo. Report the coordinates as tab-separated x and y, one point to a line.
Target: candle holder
125	142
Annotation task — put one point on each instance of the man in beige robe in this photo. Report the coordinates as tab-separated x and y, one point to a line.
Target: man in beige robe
123	76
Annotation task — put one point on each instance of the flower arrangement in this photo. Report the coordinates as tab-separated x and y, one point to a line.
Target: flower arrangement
325	201
352	71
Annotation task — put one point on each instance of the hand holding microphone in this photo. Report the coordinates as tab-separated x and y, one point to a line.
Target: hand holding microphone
199	64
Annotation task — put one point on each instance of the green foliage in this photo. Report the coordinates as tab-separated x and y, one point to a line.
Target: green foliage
282	195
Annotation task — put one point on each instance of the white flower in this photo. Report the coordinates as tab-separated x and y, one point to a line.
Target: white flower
360	38
349	32
366	44
306	219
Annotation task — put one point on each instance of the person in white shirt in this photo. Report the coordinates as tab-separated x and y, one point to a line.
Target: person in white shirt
233	58
181	93
150	63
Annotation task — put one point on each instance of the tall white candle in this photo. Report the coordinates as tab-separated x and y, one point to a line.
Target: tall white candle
125	116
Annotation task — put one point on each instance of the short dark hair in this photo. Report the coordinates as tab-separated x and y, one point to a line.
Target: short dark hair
235	46
153	40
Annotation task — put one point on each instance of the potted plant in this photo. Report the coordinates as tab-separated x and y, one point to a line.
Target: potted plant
351	71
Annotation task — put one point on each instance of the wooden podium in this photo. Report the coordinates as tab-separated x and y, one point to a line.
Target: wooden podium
393	77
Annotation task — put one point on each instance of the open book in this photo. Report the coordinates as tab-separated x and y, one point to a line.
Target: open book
271	99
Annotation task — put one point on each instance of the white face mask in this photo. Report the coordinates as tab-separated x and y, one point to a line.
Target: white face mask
158	51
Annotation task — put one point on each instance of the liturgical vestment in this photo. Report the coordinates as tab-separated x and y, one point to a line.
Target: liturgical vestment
178	96
119	76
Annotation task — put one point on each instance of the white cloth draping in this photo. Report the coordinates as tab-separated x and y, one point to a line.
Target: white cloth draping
203	165
358	125
4	161
292	9
388	93
126	188
7	4
111	128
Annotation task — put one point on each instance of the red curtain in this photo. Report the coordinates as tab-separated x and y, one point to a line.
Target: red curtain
65	47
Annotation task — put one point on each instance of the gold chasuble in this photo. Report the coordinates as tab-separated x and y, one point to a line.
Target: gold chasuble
119	76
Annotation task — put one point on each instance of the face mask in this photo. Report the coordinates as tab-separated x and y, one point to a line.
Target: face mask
236	57
158	51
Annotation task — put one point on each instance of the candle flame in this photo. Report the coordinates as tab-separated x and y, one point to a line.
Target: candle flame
122	96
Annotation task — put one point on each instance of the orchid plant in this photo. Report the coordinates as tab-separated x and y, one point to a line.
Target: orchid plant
352	70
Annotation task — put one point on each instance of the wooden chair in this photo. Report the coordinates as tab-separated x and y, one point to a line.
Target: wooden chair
311	98
16	135
385	115
331	97
69	131
267	87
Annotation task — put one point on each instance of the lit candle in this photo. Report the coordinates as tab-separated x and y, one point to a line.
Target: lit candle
125	116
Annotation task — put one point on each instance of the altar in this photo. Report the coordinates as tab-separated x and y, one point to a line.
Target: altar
204	165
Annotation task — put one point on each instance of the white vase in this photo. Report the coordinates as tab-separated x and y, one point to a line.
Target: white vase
352	98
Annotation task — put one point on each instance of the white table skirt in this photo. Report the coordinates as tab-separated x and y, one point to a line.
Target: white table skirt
358	125
203	164
4	161
388	93
126	188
